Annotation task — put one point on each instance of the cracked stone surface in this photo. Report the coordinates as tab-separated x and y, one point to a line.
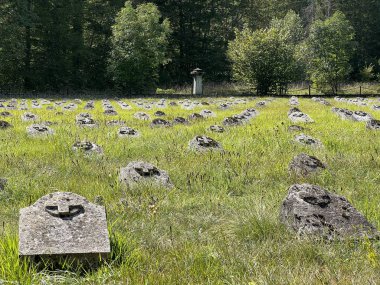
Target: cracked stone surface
308	140
87	147
156	123
216	129
208	114
128	132
142	116
204	143
296	116
144	172
39	130
373	125
63	224
85	120
295	128
3	183
5	125
180	120
195	116
28	117
232	121
159	114
312	210
304	165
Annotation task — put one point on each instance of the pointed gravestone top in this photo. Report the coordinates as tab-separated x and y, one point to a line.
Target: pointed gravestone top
64	224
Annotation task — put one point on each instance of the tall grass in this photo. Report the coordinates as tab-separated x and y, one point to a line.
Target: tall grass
220	224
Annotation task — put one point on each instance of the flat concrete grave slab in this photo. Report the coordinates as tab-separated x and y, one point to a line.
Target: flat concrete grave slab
64	224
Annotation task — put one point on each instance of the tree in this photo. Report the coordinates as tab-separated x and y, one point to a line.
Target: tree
329	49
266	58
139	45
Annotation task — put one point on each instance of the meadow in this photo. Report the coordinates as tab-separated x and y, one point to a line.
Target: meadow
220	223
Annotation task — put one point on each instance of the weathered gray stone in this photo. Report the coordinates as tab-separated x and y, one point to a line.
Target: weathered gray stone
232	121
142	116
6	114
127	132
39	130
344	114
63	225
159	114
142	172
313	211
28	117
157	123
204	143
110	112
296	116
195	116
361	116
5	125
308	140
216	129
376	107
3	183
373	125
115	123
87	148
304	165
85	120
295	128
180	120
294	101
321	100
207	114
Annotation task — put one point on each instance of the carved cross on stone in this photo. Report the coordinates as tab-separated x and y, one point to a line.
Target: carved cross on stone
63	207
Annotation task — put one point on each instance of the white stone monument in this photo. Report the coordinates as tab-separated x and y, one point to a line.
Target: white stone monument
197	83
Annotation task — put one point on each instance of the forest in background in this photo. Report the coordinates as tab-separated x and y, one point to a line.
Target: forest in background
60	44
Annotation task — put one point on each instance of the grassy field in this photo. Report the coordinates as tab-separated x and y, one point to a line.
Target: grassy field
220	224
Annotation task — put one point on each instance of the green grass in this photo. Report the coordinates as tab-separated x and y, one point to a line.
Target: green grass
220	224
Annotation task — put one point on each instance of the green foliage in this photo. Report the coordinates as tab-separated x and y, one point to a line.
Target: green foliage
139	44
266	58
367	73
329	49
11	47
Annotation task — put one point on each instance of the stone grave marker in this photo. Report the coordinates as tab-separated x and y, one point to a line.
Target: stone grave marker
204	143
3	183
5	125
87	148
157	123
373	125
127	132
308	140
296	116
142	172
232	121
142	116
39	130
304	165
180	120
208	114
312	210
64	225
216	129
28	117
85	120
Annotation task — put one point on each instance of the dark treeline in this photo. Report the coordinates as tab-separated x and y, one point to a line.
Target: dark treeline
58	44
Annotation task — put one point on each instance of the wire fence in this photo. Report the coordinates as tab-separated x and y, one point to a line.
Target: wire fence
303	89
